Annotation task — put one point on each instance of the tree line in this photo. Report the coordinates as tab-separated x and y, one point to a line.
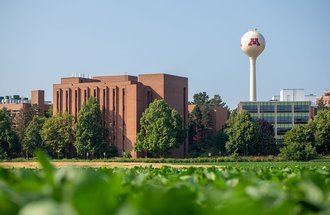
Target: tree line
58	135
161	130
240	135
243	136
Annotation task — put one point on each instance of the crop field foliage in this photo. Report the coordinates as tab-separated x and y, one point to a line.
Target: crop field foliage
233	188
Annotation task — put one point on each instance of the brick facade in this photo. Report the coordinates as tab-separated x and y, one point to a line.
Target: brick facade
122	100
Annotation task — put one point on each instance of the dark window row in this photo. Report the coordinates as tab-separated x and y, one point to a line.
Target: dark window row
267	108
284	108
284	119
250	108
301	108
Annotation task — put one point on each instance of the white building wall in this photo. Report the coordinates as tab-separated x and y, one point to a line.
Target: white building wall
311	98
292	95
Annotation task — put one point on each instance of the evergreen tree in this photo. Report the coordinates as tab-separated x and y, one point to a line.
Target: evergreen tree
216	101
201	98
202	140
161	129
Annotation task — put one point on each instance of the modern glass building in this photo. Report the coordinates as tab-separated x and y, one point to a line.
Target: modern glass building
282	115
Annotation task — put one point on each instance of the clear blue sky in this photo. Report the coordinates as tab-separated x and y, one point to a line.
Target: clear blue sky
42	41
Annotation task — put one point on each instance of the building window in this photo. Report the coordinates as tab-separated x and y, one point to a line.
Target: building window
250	107
269	117
285	118
113	100
123	101
148	97
107	101
301	108
184	106
75	102
104	96
57	101
79	99
267	108
61	100
66	101
301	118
123	143
284	108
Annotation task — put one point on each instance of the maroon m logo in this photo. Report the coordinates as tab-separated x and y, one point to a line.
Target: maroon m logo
254	41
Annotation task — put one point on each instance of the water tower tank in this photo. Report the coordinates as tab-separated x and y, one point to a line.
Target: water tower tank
252	44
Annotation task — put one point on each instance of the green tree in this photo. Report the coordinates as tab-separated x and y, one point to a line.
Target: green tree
89	130
23	120
200	119
299	143
58	135
322	131
242	134
32	137
199	125
266	144
217	101
8	138
49	112
217	144
202	139
161	129
200	98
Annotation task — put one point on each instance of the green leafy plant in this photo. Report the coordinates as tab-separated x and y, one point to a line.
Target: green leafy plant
246	188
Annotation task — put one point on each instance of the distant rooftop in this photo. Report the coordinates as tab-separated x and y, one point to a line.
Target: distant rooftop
14	99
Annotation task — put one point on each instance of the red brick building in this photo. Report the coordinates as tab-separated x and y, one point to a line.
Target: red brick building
15	105
122	101
325	98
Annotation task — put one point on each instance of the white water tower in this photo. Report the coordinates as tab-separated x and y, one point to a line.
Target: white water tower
252	44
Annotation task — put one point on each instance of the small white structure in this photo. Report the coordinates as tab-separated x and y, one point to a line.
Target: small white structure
276	98
252	44
290	95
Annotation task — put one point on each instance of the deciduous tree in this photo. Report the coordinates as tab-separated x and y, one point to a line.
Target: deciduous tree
23	120
242	134
89	129
8	138
322	131
161	129
32	137
299	143
58	135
